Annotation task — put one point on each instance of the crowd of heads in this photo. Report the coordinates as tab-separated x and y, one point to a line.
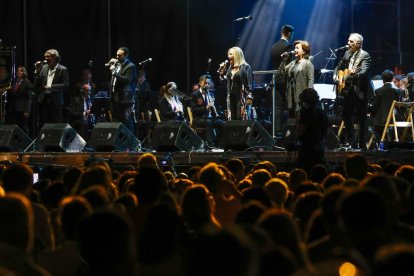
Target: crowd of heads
230	218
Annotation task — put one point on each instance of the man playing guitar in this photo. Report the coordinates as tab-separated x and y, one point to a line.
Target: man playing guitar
354	87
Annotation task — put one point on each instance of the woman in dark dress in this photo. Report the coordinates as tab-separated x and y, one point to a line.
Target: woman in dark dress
239	84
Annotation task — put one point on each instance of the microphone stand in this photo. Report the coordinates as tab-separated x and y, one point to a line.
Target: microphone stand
332	56
236	37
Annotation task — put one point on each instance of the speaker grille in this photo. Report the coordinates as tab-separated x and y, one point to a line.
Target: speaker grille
113	136
241	135
175	136
59	138
13	138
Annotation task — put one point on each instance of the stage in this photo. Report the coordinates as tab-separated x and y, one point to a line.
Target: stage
284	160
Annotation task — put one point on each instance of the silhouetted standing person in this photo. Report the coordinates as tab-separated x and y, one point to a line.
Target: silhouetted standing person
280	47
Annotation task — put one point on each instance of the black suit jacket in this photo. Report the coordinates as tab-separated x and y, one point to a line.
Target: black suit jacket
360	84
166	111
278	49
382	103
126	82
59	85
23	97
198	107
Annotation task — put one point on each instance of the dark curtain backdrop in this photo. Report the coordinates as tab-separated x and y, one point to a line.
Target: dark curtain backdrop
78	29
150	28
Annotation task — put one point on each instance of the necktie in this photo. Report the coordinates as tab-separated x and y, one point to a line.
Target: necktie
17	85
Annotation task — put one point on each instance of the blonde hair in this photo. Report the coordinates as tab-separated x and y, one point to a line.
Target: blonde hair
238	56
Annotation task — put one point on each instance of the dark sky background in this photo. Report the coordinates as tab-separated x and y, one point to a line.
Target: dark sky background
81	31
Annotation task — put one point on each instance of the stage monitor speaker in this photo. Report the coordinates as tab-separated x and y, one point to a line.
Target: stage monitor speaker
241	135
175	136
113	136
59	138
13	138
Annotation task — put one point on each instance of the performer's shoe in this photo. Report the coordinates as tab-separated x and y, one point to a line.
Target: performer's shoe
345	145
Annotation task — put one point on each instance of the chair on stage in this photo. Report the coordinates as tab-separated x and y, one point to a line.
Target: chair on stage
200	131
405	108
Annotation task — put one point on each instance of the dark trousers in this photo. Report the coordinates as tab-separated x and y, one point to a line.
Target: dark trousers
213	128
281	110
124	113
354	107
50	112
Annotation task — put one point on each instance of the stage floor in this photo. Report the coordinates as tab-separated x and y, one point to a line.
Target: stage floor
284	160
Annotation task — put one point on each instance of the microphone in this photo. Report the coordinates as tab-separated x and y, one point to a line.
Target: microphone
90	64
244	18
287	53
222	65
40	62
341	48
145	62
111	62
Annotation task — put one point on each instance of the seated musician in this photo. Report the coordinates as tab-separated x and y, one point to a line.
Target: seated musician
81	117
384	96
171	108
205	113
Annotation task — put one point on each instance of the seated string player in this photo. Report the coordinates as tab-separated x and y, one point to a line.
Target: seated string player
171	108
205	113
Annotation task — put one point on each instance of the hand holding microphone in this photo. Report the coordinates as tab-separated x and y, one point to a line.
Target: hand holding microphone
223	65
111	63
38	65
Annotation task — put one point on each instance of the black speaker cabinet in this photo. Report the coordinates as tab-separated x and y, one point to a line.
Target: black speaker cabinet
113	136
241	135
13	138
175	136
59	138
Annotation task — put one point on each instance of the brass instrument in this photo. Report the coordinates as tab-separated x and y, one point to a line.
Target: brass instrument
212	109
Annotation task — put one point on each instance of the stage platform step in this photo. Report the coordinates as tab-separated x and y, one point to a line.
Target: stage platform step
282	159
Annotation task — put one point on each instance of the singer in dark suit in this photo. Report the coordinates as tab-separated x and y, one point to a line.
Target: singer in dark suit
204	112
21	100
122	86
384	96
355	92
51	82
278	49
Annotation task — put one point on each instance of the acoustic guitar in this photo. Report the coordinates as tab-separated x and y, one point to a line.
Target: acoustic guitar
342	77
